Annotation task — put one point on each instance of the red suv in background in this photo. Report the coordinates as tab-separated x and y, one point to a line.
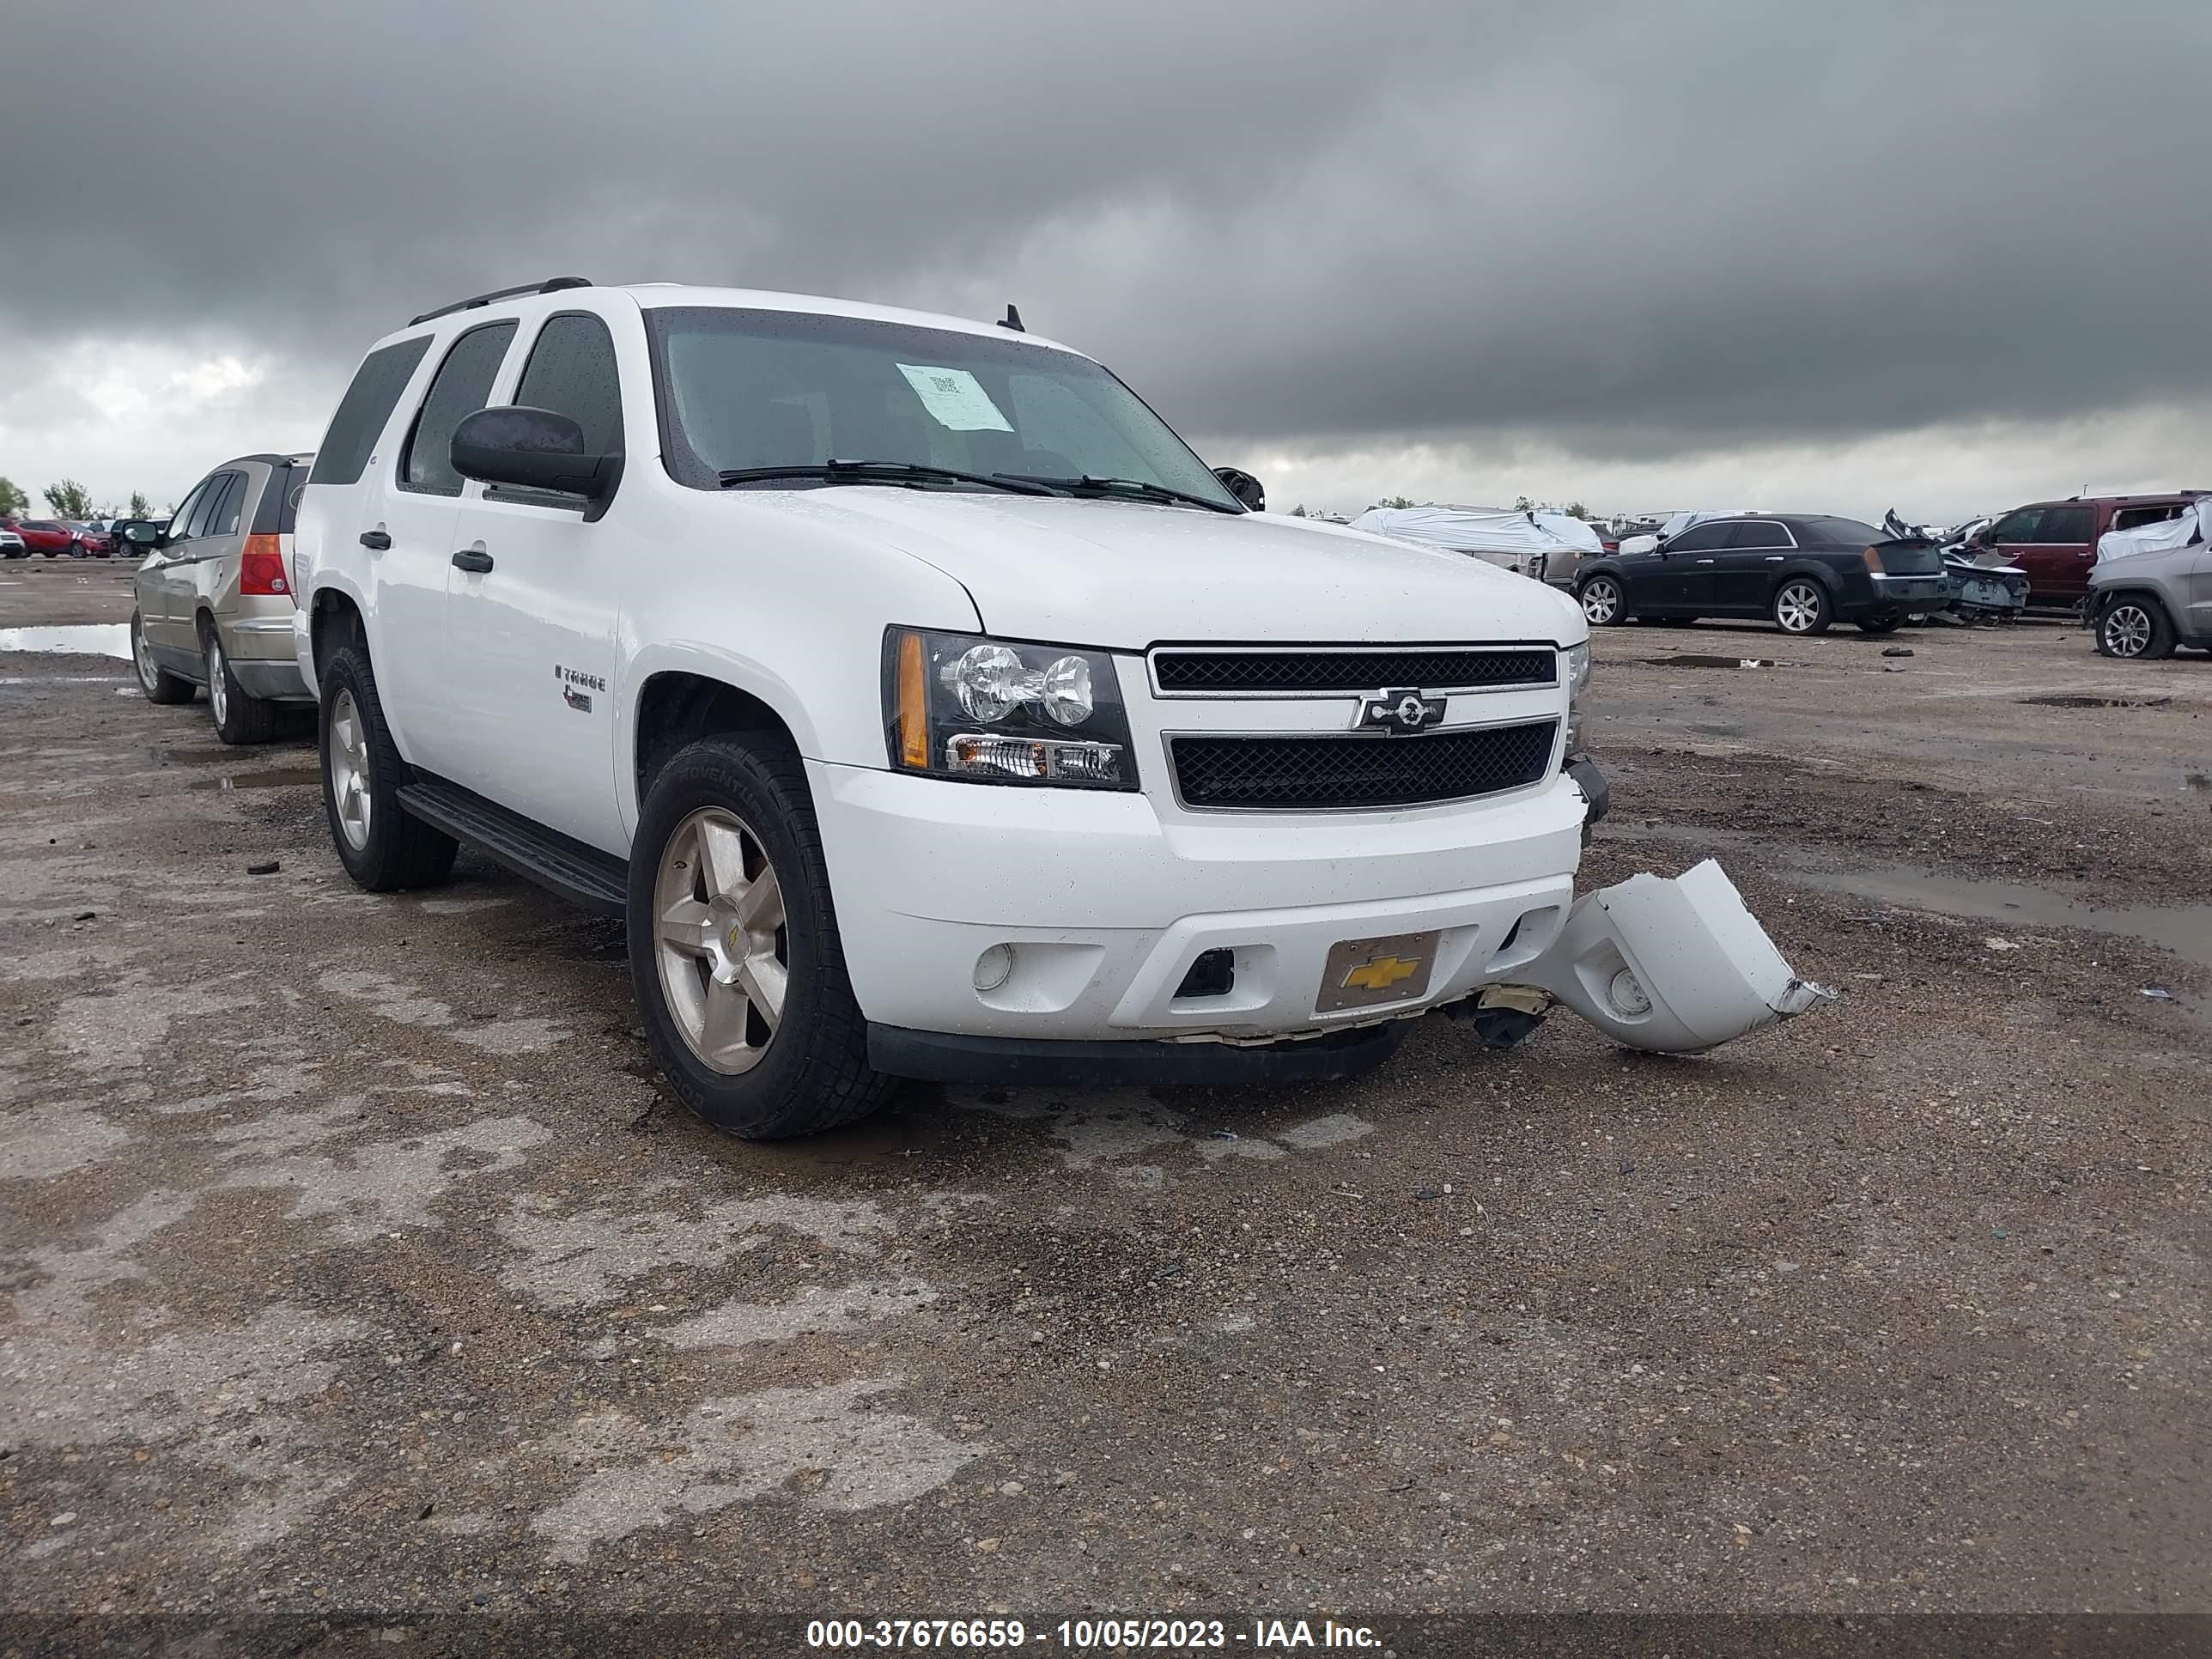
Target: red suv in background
2056	541
48	536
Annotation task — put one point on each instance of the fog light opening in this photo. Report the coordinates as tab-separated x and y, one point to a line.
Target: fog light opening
994	967
1627	995
1210	974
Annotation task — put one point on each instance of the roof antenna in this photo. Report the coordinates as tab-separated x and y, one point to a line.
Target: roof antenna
1013	319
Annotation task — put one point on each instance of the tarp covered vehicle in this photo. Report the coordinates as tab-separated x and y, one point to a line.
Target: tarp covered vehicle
1547	546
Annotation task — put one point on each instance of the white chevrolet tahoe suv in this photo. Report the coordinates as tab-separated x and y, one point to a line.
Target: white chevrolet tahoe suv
930	710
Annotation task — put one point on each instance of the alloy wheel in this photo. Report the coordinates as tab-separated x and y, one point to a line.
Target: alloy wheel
348	763
721	939
2127	630
142	657
218	697
1601	602
1797	607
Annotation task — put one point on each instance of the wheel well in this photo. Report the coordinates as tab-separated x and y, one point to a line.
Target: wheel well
334	622
2105	597
675	709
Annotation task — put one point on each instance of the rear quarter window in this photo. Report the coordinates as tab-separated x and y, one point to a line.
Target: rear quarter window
362	412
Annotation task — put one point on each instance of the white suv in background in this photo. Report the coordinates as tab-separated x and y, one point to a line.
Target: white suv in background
931	710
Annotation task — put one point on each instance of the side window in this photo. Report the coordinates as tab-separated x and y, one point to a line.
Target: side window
1700	538
2071	523
367	406
460	388
181	520
2015	527
210	498
571	372
1753	534
223	517
2128	517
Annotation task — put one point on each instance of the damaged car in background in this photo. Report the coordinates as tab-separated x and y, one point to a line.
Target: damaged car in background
1532	542
1986	585
2151	588
930	710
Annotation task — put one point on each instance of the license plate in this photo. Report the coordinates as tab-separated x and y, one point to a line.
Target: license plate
1363	972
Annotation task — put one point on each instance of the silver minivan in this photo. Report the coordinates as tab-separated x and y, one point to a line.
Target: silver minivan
214	599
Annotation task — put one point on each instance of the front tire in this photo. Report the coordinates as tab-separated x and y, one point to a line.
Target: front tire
240	717
734	952
2134	630
159	684
382	847
1604	604
1802	607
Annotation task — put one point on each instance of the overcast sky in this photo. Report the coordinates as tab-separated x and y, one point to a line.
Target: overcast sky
1730	252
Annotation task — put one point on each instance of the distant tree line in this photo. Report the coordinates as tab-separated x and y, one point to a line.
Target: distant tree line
70	499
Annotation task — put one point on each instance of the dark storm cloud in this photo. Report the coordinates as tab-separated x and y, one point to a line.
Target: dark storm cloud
1633	227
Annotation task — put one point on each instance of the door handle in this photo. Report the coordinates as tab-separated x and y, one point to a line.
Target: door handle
1776	558
376	540
1705	561
474	560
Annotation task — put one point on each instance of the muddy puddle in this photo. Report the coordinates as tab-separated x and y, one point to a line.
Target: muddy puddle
1700	660
82	639
278	778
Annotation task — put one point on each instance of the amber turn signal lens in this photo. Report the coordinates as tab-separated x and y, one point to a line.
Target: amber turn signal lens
913	704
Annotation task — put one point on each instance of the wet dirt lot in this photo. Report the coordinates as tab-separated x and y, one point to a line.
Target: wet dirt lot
353	1261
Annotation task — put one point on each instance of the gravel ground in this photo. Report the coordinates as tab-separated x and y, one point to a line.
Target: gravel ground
354	1262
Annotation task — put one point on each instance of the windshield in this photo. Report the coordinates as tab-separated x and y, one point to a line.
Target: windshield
744	389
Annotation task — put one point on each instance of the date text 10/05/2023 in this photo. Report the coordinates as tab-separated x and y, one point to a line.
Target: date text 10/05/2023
1259	1635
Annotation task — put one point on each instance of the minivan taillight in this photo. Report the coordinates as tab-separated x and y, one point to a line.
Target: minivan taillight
261	568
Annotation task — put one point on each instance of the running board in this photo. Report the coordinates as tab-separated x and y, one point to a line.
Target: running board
583	875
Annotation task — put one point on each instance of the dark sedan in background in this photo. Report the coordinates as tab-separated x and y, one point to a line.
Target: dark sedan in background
1800	572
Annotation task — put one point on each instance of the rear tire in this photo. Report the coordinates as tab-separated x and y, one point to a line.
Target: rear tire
754	1023
1802	607
2134	629
240	717
383	849
159	684
1880	624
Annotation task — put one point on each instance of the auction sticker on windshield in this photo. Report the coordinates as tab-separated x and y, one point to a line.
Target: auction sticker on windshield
955	398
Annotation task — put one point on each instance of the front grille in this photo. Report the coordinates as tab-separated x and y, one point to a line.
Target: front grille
1326	672
1317	772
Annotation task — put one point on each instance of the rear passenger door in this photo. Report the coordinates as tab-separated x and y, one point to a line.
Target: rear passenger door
1746	569
529	630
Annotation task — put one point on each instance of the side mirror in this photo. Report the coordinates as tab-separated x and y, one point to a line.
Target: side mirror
1243	486
143	532
532	449
1636	544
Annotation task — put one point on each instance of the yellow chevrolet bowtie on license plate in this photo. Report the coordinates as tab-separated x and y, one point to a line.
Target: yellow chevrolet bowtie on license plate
1364	972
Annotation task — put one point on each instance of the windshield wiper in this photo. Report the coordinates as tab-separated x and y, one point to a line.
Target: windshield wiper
1143	489
860	472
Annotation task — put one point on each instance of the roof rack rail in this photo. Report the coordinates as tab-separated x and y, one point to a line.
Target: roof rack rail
551	285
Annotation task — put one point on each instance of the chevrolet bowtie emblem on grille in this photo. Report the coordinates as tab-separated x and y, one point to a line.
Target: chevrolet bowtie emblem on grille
1400	709
1380	973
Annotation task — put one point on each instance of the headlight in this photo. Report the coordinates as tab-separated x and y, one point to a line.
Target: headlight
995	711
1576	658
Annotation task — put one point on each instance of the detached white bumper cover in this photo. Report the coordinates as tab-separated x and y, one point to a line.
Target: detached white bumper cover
1676	967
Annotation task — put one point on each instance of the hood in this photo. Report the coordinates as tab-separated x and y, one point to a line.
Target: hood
1129	574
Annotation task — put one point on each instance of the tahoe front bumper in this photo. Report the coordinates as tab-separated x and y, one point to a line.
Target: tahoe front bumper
1105	906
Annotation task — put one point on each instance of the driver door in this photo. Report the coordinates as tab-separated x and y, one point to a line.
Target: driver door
1684	576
